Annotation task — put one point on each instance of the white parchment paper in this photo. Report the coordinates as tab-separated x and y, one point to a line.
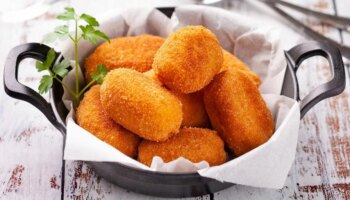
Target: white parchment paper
266	166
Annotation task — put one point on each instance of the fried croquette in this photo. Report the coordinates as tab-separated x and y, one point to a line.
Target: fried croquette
135	52
189	59
194	144
141	105
91	116
232	62
237	111
194	114
150	73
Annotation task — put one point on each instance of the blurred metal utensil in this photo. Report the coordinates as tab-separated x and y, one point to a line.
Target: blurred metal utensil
216	3
36	9
332	20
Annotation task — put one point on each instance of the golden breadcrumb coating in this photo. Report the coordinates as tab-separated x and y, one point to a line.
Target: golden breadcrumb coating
140	105
91	116
237	111
150	73
194	114
194	144
135	52
189	59
232	62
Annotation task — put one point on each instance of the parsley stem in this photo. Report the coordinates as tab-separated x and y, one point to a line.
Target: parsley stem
86	87
71	37
76	58
58	70
65	86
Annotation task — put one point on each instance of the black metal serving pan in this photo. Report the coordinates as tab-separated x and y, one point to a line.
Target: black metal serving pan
160	183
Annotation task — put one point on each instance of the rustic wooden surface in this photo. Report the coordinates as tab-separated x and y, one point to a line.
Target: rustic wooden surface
31	148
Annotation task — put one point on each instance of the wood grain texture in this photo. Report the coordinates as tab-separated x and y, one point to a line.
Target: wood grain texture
31	148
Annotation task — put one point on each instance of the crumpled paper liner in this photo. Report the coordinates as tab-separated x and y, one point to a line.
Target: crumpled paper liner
266	166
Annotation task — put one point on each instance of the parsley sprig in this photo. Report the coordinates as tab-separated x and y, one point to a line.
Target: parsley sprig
88	32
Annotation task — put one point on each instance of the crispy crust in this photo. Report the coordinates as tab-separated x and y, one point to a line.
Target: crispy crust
237	111
194	114
189	59
195	144
141	105
232	62
150	73
128	52
91	116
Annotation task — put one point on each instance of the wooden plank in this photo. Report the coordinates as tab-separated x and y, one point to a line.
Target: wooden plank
30	147
343	10
321	168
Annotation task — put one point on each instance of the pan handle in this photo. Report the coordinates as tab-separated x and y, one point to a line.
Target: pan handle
19	91
168	11
298	54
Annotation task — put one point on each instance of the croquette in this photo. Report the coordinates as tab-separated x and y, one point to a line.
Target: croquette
237	111
188	59
194	114
135	52
91	116
232	62
194	144
140	104
150	73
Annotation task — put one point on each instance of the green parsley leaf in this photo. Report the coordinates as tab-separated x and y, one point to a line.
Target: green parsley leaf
50	57
51	37
102	69
61	68
89	19
62	30
40	66
45	84
68	14
100	74
90	34
101	35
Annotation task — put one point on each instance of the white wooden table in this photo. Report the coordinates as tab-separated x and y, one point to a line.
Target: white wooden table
31	148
